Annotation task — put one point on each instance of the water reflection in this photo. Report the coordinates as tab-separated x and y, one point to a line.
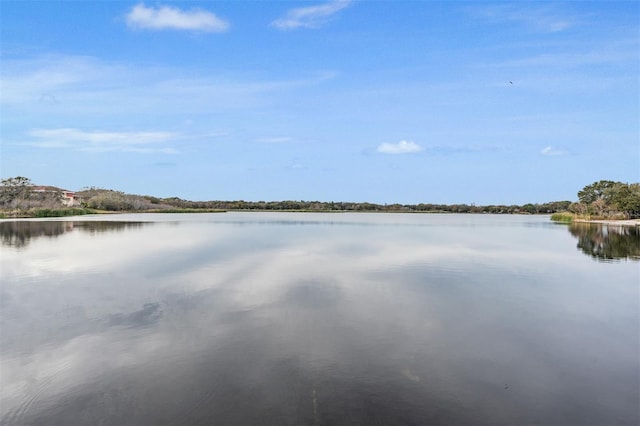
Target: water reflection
149	314
607	243
19	233
288	319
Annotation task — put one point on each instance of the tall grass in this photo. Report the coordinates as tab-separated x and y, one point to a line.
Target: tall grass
185	210
563	217
60	212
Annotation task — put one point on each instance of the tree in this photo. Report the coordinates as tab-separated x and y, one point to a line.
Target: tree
600	207
601	190
609	198
627	199
13	190
578	208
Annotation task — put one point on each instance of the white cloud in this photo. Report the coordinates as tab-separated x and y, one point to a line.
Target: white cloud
102	141
170	18
310	16
402	147
551	151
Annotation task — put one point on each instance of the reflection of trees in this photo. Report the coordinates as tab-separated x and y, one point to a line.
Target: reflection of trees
20	233
607	242
100	227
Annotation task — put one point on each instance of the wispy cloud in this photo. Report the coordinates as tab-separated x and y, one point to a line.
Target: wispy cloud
171	18
296	165
613	54
402	147
310	16
86	86
102	141
543	19
552	151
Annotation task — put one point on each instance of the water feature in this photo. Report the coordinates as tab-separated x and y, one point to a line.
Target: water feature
318	319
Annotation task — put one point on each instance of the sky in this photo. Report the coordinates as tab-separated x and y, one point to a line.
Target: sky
379	101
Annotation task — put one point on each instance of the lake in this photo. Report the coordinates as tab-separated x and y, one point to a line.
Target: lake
318	319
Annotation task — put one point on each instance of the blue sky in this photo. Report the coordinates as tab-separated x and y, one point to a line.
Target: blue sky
380	101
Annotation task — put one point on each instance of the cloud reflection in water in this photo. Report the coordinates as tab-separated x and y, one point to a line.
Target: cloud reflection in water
244	323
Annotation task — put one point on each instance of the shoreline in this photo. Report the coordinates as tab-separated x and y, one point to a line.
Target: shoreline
621	222
94	212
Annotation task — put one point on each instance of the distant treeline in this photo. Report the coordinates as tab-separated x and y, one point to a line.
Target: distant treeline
333	206
104	199
17	197
605	198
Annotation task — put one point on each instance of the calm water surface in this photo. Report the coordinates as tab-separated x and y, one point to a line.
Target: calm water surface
318	319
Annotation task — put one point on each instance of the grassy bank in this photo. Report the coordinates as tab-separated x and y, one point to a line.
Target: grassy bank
178	210
73	211
563	217
43	212
568	217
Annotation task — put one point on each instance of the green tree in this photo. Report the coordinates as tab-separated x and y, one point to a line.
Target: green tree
601	190
626	199
13	190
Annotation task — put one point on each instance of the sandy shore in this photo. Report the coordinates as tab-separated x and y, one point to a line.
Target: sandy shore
628	222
